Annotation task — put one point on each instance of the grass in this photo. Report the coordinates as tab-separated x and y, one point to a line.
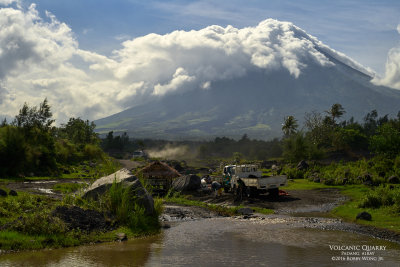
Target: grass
84	170
66	188
382	217
29	223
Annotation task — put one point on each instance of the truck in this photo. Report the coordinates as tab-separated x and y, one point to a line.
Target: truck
253	179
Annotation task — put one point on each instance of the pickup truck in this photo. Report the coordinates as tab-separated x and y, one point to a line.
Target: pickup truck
254	181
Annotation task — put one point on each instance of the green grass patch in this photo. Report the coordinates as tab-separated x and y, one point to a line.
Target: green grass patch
387	217
66	188
262	210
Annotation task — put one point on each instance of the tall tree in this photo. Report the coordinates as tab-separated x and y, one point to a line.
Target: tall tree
336	112
289	126
31	117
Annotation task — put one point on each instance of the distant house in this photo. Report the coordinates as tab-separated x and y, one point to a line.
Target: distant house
159	175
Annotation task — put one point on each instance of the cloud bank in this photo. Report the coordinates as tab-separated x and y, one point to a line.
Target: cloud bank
40	57
391	77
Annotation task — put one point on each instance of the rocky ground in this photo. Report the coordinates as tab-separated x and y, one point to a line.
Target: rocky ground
301	208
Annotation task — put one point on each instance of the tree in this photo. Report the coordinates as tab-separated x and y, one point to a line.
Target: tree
79	132
336	112
289	126
386	141
295	147
29	118
4	123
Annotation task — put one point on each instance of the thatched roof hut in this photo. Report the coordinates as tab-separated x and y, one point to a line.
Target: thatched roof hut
158	169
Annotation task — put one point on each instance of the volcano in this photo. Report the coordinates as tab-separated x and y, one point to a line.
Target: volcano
290	73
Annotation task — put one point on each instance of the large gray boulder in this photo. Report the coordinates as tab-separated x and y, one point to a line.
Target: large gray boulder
189	182
138	194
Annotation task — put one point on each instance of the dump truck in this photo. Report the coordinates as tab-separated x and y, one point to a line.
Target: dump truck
253	179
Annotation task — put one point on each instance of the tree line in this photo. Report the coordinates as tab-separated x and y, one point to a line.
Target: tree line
323	135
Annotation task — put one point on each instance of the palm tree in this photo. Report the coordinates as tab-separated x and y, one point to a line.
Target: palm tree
336	111
289	126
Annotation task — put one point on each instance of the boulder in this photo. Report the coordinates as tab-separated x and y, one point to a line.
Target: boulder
189	182
367	177
138	193
303	165
78	218
393	180
3	193
245	211
364	216
13	193
121	237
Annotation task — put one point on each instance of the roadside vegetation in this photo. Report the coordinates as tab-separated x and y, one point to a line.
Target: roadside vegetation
30	221
30	146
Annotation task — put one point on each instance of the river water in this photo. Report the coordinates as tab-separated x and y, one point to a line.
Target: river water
210	242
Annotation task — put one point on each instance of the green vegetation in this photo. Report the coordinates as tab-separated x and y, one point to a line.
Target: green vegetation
66	188
27	220
381	202
31	146
326	136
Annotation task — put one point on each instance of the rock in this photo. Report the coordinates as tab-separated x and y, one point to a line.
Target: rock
245	211
187	183
138	193
3	193
178	167
13	193
76	217
364	216
368	183
165	225
367	177
303	165
317	180
393	180
121	236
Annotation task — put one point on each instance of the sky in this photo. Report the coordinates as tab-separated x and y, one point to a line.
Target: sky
86	56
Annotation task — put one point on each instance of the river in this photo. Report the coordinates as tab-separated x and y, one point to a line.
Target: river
266	241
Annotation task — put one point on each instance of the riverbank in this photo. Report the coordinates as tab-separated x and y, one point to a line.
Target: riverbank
307	203
313	201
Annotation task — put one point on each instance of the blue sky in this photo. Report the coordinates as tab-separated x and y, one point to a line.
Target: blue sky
364	29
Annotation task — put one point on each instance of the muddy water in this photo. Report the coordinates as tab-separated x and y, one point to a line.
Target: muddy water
221	242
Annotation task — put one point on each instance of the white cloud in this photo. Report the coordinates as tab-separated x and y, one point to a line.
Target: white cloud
41	59
391	77
8	2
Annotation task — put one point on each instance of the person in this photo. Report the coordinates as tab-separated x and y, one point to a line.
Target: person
217	188
240	190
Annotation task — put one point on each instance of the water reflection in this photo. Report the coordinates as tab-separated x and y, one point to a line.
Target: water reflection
216	242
